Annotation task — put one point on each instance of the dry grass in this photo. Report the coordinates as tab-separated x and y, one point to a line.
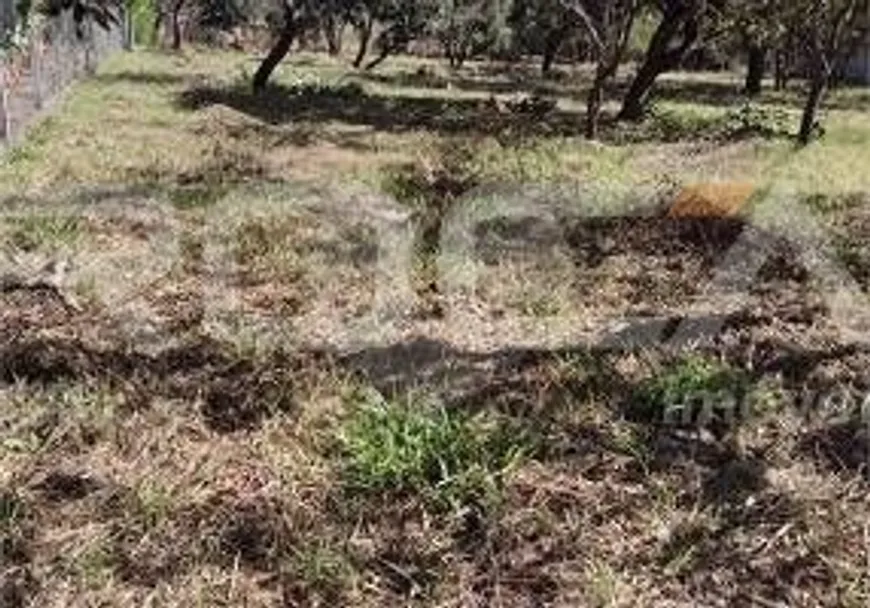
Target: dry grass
253	403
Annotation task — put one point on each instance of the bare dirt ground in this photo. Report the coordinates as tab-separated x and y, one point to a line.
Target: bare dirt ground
217	374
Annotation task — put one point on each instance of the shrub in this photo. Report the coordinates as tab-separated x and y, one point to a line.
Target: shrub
752	120
681	124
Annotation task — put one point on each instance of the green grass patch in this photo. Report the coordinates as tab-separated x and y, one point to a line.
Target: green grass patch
689	390
13	536
416	445
823	202
197	197
753	120
321	571
11	509
44	231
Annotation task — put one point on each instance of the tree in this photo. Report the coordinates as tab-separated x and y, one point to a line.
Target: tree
467	28
829	27
221	14
362	18
756	62
333	20
543	26
299	16
174	8
402	22
759	27
680	27
608	24
105	13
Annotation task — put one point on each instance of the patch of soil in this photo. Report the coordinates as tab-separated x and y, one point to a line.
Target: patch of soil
148	558
242	401
256	531
32	309
59	486
708	238
17	586
838	447
45	361
236	393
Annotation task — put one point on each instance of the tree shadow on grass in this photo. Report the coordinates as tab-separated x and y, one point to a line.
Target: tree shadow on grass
704	92
724	94
234	393
143	78
495	85
537	115
685	88
350	104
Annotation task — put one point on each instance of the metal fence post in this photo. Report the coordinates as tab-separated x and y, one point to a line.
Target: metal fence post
36	73
5	122
127	25
90	66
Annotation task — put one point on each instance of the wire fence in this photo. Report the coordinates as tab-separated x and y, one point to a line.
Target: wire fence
34	76
8	17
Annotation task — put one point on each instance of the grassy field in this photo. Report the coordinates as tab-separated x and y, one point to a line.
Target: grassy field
399	338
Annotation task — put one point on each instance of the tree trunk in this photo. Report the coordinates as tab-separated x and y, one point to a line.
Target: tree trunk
365	35
634	104
460	50
457	59
278	52
389	41
779	80
450	53
332	30
615	29
385	52
661	56
176	26
158	27
818	85
551	49
547	61
755	69
593	107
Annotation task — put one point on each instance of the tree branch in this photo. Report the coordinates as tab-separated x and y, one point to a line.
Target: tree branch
580	11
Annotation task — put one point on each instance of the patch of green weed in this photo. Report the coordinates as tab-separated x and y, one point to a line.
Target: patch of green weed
689	388
752	120
417	445
44	232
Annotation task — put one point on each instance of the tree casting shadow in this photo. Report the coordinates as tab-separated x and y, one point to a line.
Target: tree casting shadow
350	104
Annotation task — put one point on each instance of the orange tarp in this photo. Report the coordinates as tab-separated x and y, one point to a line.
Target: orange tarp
721	199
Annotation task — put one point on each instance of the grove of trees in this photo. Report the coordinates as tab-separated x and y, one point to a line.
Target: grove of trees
810	39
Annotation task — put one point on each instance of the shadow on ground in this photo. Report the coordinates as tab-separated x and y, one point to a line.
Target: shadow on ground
352	105
534	112
508	82
142	78
575	86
